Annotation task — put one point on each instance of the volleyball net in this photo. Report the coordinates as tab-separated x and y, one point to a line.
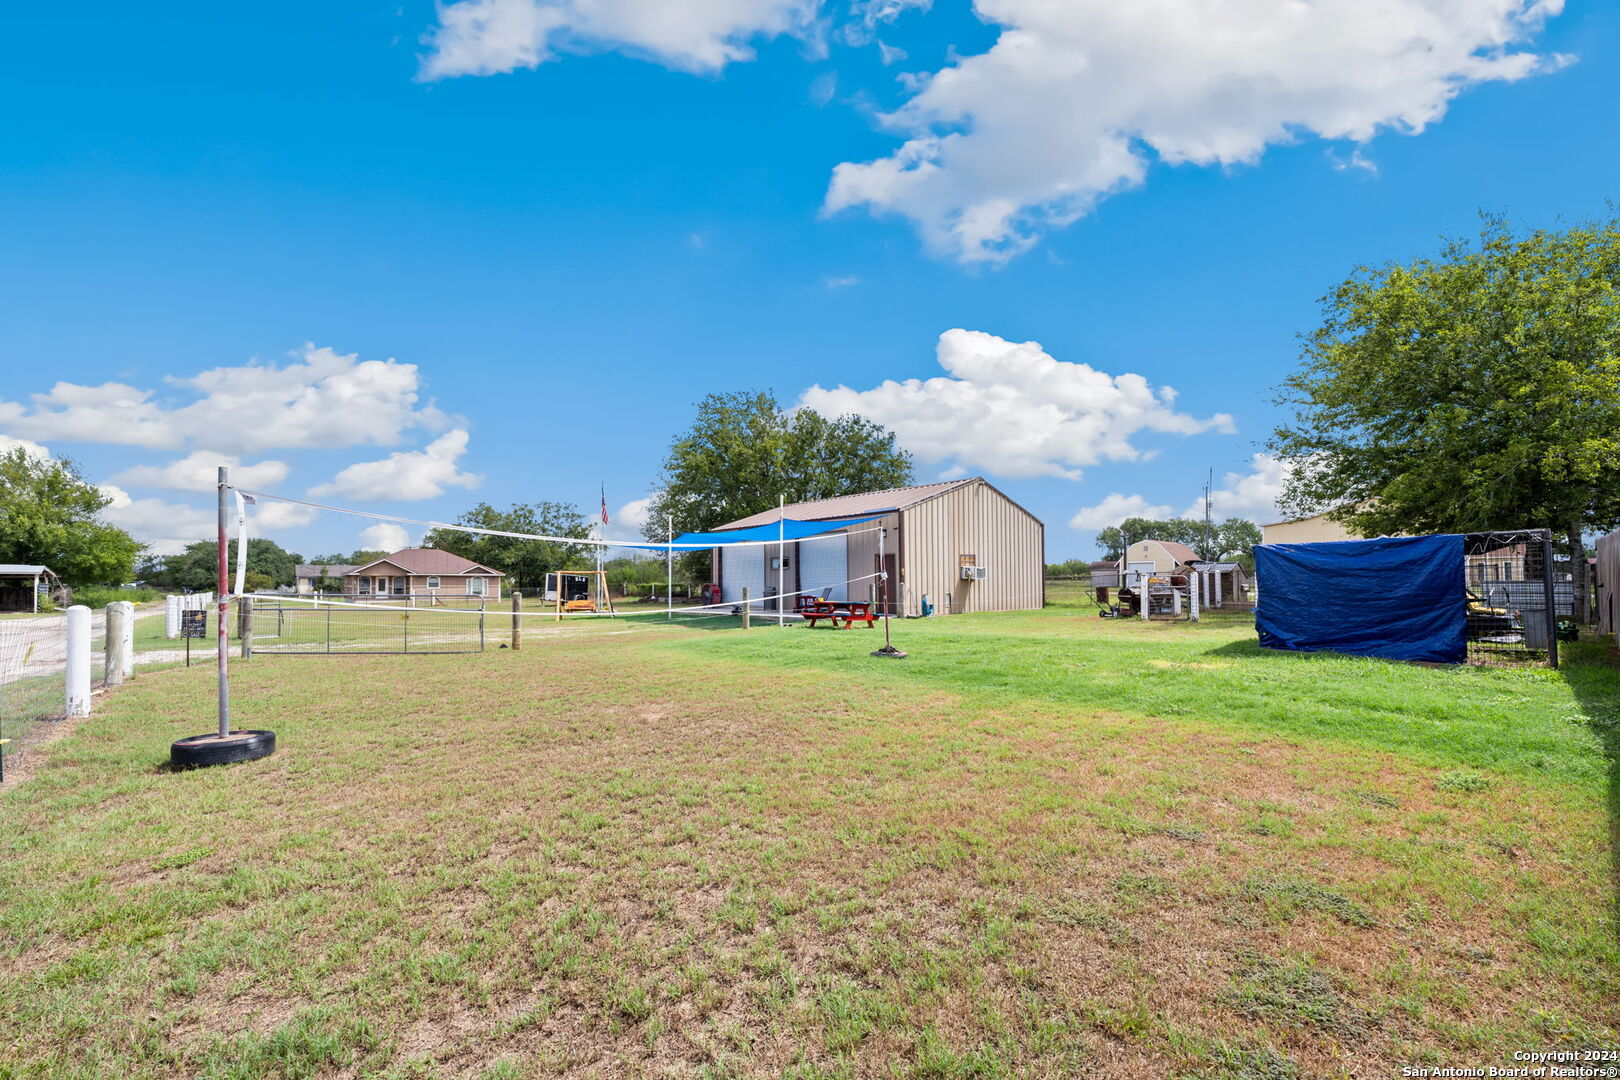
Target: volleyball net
421	602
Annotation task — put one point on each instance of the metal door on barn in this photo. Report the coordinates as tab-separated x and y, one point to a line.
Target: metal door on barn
824	564
887	591
739	567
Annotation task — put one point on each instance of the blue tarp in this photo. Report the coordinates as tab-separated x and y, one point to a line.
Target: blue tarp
1401	598
791	529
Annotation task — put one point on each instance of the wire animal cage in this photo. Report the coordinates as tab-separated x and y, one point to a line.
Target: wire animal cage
1515	596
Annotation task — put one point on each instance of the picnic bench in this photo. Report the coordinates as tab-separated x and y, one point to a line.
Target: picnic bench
841	613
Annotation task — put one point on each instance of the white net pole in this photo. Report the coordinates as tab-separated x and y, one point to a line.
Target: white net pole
669	564
224	608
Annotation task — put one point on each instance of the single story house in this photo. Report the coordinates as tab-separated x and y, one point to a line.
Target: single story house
950	547
22	584
307	575
1157	557
423	574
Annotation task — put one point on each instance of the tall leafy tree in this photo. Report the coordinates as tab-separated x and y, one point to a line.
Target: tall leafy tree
197	566
49	515
1233	538
526	561
743	453
1477	390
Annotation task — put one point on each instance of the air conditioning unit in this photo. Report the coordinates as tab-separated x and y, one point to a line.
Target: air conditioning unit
972	573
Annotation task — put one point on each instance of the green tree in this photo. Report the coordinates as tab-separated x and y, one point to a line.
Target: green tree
197	567
743	453
1477	390
526	561
1236	539
1233	538
49	515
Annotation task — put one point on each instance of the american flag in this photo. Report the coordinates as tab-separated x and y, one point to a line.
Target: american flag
604	504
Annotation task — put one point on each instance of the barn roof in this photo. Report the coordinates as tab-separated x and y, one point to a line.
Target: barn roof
866	502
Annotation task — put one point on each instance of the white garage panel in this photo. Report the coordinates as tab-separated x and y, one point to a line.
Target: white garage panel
824	563
742	566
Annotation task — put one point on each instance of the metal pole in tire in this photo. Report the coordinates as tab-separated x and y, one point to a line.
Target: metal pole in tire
224	746
888	652
224	612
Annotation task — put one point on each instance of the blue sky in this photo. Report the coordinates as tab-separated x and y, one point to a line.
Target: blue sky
496	250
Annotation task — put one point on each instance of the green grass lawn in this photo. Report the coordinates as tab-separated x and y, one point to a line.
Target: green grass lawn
1044	845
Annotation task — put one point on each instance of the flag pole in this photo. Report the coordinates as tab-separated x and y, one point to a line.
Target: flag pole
669	566
781	559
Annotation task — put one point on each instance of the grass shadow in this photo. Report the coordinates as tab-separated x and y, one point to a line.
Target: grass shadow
1592	671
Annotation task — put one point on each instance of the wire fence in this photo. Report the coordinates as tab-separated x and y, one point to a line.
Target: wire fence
33	674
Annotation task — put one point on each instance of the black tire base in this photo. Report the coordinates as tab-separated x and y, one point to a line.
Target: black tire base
889	652
197	751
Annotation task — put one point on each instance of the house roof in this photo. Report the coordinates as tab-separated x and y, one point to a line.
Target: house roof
318	569
866	502
432	561
23	569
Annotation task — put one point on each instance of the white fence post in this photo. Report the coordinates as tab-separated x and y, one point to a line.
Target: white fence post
1197	583
128	644
78	661
171	616
120	613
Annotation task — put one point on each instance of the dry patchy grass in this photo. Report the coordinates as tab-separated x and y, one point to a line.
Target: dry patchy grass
1033	852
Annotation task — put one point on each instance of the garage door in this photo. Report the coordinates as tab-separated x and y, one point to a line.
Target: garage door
739	567
824	563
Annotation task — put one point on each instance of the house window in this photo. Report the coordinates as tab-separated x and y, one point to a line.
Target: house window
365	586
399	586
475	586
433	583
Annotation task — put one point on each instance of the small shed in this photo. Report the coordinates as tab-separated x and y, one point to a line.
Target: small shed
21	584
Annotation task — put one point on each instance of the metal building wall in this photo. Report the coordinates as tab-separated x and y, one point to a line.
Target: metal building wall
978	520
1608	583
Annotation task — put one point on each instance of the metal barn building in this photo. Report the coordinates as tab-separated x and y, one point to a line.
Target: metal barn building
960	545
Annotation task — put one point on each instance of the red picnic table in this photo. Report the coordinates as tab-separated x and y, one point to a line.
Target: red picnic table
814	609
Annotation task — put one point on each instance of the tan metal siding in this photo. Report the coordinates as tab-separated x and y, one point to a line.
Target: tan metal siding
978	520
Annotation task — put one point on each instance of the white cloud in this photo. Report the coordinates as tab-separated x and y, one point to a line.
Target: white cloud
1253	494
199	471
486	37
385	536
1075	99
844	281
270	517
408	475
32	449
164	527
1011	409
1114	509
626	522
322	399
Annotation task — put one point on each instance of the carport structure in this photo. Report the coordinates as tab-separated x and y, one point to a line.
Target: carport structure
19	586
